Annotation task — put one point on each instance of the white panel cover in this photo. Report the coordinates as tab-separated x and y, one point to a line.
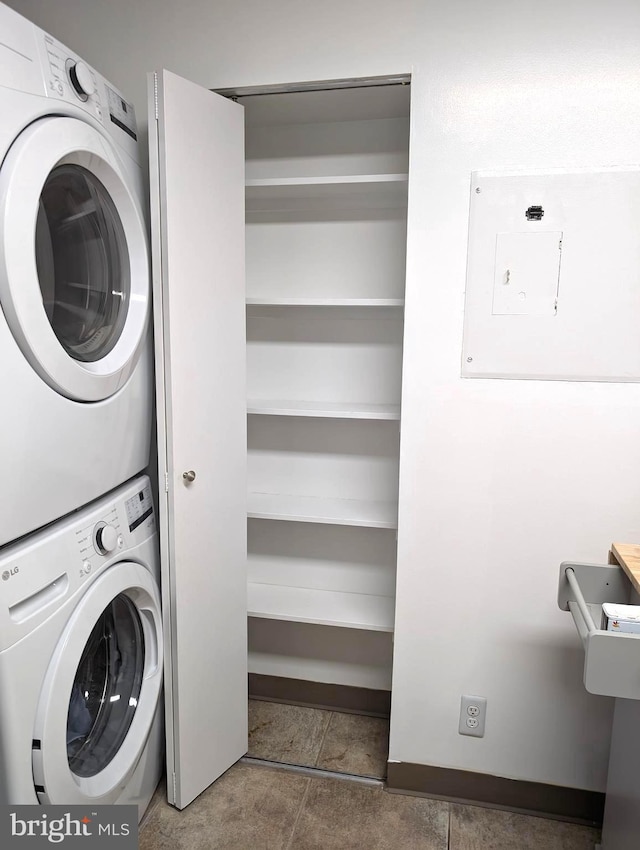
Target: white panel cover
525	280
197	176
529	314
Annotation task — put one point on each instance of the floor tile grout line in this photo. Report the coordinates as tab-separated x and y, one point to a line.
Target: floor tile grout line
448	826
298	815
324	737
314	772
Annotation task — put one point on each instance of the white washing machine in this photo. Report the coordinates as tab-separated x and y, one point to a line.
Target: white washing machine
81	717
76	379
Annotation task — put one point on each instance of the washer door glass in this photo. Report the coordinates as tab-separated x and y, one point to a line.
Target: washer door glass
106	689
82	263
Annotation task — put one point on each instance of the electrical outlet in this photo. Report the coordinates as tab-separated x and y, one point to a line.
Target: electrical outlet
473	711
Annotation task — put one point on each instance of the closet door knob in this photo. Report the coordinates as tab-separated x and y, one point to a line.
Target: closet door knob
189	476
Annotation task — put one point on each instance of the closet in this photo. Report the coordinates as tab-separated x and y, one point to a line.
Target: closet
286	379
326	202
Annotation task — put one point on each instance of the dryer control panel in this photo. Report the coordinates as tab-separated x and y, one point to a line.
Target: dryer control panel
73	79
36	63
71	76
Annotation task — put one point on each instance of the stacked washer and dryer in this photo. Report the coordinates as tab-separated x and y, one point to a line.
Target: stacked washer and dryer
80	625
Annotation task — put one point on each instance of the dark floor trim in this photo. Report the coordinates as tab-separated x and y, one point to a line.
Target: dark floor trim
482	789
320	695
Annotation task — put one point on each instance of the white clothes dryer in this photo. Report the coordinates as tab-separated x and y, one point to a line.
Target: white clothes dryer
76	379
81	654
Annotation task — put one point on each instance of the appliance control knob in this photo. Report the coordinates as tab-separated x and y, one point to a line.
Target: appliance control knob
106	538
82	79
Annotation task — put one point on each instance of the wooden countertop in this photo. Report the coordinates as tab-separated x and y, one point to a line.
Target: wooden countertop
628	556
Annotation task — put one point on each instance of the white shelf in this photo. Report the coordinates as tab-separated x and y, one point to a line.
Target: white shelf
275	186
322	409
291	193
324	607
325	302
322	510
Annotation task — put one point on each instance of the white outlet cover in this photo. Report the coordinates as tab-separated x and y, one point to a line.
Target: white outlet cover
473	712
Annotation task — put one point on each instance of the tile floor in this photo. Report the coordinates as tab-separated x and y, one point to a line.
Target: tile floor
261	808
313	737
256	807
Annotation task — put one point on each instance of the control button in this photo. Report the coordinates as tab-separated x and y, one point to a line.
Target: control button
82	79
105	538
87	566
120	541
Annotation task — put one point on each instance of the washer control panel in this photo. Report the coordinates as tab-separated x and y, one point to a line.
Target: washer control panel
45	570
139	508
123	525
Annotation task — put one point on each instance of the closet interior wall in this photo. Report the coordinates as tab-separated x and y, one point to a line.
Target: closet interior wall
327	176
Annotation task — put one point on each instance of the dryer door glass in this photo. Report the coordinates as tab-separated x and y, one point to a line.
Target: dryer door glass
106	688
82	262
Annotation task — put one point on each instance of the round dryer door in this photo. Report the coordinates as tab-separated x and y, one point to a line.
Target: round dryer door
101	692
74	275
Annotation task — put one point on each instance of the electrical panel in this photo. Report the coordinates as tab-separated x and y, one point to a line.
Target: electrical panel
553	276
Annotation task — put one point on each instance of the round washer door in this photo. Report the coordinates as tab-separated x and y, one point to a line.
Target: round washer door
74	271
101	692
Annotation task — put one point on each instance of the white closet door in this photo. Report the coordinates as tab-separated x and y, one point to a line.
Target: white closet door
197	201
